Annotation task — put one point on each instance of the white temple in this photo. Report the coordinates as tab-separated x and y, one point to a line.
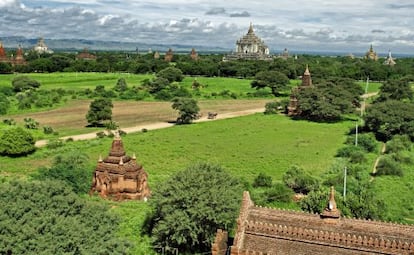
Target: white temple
41	47
250	46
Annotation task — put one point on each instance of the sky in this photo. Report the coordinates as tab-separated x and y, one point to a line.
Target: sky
301	25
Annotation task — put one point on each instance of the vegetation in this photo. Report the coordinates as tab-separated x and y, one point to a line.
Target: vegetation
187	108
274	80
16	142
99	111
190	207
48	218
23	83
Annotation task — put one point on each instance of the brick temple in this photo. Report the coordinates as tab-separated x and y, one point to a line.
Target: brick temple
270	231
120	176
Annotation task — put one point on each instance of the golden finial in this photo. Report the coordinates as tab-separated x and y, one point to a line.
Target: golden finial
100	158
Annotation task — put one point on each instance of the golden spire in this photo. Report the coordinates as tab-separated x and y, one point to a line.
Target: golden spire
133	156
121	162
307	70
100	158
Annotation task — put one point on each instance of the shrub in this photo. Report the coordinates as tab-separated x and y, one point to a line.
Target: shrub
54	143
279	192
398	143
262	180
30	123
299	180
366	141
347	151
388	166
22	83
111	125
272	107
48	130
100	134
16	142
10	122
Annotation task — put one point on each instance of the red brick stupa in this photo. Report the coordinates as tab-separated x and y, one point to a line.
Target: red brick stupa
119	176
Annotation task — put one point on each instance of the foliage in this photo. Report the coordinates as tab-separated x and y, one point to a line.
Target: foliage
4	104
190	207
398	143
16	142
71	168
365	140
262	180
274	80
388	166
54	144
273	107
278	192
48	130
30	123
99	110
48	218
9	121
121	85
299	180
329	99
187	109
390	118
22	83
171	74
395	90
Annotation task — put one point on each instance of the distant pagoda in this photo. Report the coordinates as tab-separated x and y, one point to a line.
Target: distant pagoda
371	54
250	47
169	55
293	107
3	55
119	176
389	61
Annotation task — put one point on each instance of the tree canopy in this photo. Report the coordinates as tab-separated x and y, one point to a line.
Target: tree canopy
72	168
99	111
171	74
187	108
48	218
274	80
16	141
22	83
395	90
190	207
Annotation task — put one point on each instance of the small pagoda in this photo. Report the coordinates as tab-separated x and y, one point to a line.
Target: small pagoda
169	55
119	176
3	55
19	58
293	107
194	54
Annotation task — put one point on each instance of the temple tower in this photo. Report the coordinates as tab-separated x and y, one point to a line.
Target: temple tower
19	59
390	60
193	54
3	55
293	107
119	176
371	54
169	55
331	212
306	78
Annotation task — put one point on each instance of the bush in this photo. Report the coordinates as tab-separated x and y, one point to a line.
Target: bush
366	141
48	130
30	123
398	143
111	125
272	107
278	192
262	180
388	166
17	142
54	143
10	122
347	151
22	83
100	134
4	104
300	181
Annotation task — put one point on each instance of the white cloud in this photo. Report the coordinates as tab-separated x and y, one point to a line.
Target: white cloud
349	25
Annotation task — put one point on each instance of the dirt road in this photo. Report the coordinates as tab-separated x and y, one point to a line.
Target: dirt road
157	125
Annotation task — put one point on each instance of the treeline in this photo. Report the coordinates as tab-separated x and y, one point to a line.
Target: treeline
212	65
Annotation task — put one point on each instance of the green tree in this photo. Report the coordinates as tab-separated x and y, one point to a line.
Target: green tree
262	180
99	111
390	118
274	80
190	207
299	180
4	104
171	74
22	83
395	90
72	168
187	108
16	142
121	85
48	218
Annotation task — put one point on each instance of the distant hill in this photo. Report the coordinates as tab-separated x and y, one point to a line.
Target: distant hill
80	44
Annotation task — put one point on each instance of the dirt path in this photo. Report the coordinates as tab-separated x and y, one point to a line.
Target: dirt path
157	125
374	169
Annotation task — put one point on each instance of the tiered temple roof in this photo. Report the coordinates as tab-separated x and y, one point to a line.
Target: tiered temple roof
272	231
41	47
120	176
169	55
293	107
250	46
371	54
85	55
